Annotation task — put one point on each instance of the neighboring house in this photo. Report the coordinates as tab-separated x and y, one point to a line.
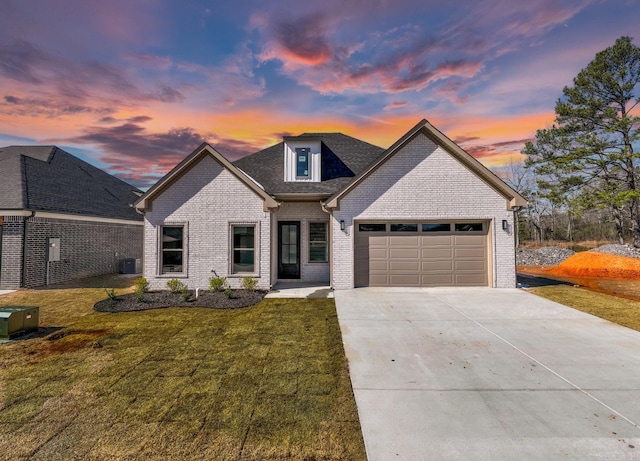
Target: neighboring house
325	207
62	218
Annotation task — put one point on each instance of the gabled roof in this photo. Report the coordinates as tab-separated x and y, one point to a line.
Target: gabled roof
48	179
343	158
144	202
513	198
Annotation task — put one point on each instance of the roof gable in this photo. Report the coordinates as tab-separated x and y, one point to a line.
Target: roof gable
145	201
49	179
513	198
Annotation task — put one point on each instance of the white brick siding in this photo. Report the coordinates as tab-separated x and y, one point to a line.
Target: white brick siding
305	212
208	198
423	181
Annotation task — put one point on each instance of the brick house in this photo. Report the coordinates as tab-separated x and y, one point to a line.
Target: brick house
62	218
328	208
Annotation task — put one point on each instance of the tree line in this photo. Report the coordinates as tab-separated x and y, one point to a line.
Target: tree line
581	175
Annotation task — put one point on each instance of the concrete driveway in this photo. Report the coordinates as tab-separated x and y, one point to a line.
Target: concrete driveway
489	374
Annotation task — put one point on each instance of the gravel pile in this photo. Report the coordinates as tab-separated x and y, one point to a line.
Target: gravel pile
620	250
545	256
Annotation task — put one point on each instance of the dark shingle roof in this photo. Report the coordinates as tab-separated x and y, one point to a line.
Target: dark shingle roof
343	158
46	178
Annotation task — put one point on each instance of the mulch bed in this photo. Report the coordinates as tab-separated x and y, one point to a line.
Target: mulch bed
162	299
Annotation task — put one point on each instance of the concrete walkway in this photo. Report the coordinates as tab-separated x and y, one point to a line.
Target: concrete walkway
489	374
300	290
6	292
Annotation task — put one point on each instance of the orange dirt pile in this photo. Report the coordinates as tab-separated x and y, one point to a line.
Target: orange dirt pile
593	264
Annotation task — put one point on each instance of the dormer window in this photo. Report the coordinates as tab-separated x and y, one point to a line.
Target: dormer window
302	162
302	159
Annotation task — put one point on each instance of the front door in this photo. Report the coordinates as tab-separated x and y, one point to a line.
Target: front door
289	250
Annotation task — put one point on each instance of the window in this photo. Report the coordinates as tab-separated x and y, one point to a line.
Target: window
244	249
404	228
318	242
468	227
172	246
436	227
302	162
372	227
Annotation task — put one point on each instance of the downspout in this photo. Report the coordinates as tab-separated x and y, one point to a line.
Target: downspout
329	212
24	247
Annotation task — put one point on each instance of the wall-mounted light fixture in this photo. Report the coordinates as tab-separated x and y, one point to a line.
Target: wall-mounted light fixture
505	224
342	224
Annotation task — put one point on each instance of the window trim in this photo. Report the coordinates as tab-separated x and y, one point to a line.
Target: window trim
256	250
185	250
326	242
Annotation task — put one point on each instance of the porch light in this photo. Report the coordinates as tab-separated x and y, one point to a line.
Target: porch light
505	224
342	224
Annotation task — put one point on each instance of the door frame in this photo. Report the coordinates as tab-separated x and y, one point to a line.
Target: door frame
299	227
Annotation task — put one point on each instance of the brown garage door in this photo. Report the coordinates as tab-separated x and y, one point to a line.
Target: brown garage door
408	254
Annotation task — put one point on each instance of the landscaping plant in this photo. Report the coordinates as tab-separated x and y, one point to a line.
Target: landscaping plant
249	283
175	286
217	283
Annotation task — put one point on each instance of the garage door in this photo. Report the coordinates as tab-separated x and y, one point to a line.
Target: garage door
405	254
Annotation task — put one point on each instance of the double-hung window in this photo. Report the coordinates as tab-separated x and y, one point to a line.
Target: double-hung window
244	248
172	247
318	248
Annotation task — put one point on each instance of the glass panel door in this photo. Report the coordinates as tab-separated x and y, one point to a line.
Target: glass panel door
289	250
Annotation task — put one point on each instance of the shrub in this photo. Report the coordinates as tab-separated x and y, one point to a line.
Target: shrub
249	283
140	293
175	285
184	293
228	292
142	284
111	293
217	283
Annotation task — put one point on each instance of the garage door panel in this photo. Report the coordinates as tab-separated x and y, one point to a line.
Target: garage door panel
446	265
469	265
460	240
436	253
470	252
470	279
437	280
404	280
378	253
378	280
421	258
404	266
433	240
379	265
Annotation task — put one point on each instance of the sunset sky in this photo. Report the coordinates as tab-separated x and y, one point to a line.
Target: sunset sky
133	86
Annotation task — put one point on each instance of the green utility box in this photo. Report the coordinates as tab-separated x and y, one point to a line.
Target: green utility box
18	320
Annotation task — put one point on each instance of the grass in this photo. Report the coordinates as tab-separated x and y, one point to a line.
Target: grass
270	382
622	311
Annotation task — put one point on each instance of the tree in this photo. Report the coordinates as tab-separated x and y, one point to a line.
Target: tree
587	157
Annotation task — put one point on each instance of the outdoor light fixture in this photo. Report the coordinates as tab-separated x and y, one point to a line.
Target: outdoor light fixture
505	224
342	224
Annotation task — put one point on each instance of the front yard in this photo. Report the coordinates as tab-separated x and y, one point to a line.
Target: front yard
268	382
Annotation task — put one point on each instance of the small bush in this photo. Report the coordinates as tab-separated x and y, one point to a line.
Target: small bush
217	283
142	284
249	283
228	292
140	293
111	293
184	293
175	285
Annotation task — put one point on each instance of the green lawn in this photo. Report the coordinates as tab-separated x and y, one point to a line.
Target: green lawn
625	312
268	382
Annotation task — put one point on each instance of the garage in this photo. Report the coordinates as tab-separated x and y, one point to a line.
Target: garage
421	253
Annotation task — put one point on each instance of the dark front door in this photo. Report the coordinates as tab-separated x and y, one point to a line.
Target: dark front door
289	250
